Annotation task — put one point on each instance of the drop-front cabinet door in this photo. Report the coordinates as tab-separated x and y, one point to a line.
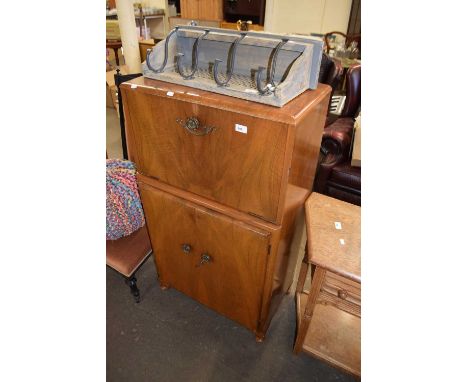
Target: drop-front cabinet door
218	261
240	161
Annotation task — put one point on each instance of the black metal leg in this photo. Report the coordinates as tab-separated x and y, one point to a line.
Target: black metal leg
131	282
119	78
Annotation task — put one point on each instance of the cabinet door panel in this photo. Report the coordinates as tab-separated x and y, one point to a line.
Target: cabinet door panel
243	169
189	9
231	282
210	9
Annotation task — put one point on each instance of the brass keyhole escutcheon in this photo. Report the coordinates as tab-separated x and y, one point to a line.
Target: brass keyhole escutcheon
205	258
192	123
186	248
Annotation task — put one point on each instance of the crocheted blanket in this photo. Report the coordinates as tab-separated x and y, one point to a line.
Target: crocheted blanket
124	213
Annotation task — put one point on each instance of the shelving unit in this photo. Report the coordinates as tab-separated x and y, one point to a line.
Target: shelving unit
157	30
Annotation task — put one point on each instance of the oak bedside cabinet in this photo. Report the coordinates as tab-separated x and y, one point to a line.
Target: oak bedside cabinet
221	182
329	315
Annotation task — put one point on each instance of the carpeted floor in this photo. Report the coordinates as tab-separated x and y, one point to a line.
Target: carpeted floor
170	337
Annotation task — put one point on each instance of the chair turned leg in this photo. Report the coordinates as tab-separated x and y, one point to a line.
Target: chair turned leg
131	282
116	53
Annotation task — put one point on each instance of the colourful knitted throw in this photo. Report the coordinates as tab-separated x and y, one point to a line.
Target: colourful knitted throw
124	213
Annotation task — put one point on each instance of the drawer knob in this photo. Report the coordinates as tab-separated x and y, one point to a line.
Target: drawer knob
342	294
204	259
186	248
192	125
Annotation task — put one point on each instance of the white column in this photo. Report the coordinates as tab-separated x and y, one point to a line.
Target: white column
128	33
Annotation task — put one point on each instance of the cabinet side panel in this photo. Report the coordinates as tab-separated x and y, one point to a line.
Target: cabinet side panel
128	127
307	142
277	282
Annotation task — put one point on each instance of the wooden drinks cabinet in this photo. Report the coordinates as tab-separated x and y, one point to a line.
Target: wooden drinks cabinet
222	180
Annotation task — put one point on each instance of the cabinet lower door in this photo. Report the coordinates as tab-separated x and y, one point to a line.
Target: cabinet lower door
219	261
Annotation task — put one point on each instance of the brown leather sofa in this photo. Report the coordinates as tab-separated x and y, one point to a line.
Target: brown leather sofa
335	176
330	71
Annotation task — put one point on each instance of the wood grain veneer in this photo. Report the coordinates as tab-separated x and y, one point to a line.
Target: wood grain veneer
235	275
224	165
189	217
202	9
189	9
229	195
249	171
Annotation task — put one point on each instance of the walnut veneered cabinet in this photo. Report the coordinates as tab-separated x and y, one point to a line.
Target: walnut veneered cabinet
221	181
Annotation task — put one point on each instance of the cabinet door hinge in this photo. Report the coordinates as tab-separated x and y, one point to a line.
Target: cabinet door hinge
269	249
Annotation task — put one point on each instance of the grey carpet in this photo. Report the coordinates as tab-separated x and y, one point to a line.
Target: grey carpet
170	337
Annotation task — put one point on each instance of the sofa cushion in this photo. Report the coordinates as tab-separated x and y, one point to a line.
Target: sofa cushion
343	195
346	176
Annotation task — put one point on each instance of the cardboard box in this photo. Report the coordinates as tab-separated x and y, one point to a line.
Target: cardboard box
109	102
356	156
111	88
144	46
112	30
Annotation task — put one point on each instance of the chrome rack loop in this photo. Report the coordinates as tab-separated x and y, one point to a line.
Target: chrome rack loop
230	69
195	62
270	86
166	49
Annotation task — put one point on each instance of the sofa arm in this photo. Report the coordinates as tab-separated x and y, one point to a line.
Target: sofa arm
335	74
335	149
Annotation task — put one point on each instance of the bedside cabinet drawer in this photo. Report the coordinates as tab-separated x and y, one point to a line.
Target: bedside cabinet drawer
342	293
219	261
232	158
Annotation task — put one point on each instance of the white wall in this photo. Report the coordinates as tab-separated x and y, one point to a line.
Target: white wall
336	15
307	16
153	3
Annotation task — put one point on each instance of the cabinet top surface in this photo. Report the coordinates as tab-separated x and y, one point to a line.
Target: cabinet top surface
292	112
334	235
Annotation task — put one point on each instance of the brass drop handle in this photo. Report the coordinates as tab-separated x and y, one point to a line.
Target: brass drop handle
192	125
204	259
342	294
186	248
